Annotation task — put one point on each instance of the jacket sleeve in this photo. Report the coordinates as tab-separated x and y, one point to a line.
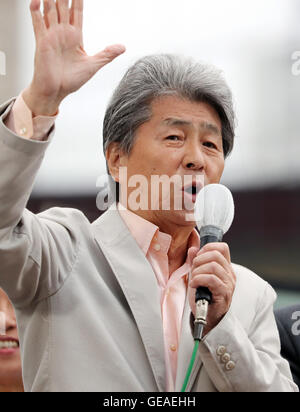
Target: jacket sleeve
36	251
247	361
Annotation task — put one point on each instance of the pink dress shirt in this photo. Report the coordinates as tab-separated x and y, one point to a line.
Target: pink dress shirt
20	121
173	286
154	244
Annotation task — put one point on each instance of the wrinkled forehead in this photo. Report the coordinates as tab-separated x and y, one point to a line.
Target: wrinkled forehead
175	111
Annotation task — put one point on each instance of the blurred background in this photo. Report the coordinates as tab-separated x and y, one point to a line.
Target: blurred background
255	43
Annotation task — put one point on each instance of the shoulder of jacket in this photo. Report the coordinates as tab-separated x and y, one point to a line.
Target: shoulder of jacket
69	217
248	280
244	274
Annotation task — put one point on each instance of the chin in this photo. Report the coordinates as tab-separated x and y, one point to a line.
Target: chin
12	379
182	218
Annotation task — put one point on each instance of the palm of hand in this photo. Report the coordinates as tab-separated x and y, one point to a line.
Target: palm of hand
61	64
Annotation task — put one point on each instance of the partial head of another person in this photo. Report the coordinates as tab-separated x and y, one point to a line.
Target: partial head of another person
10	359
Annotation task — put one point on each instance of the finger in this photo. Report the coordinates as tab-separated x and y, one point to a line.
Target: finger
192	253
50	13
62	7
76	14
213	283
215	269
211	256
107	55
38	22
222	247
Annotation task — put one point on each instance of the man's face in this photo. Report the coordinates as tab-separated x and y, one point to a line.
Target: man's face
10	360
182	138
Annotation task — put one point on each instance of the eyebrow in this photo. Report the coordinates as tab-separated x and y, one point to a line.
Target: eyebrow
204	125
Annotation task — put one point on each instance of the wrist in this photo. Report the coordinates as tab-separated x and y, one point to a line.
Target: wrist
40	105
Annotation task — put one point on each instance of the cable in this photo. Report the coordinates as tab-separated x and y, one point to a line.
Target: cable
188	374
199	323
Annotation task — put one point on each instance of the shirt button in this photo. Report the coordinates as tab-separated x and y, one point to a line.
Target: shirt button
229	366
221	350
173	348
23	131
225	358
157	247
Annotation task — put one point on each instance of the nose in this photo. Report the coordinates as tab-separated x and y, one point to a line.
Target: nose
194	158
7	323
7	319
11	323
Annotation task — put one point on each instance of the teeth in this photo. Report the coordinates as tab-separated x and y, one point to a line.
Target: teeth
8	344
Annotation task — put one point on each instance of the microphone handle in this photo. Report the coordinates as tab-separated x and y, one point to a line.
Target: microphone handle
208	234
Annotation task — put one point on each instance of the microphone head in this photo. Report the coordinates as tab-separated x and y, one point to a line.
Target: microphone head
214	207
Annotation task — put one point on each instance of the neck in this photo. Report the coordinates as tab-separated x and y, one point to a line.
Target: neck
180	235
179	243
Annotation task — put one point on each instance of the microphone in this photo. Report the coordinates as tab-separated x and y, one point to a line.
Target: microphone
214	212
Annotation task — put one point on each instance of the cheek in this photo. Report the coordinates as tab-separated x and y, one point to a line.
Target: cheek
219	166
215	170
158	161
170	161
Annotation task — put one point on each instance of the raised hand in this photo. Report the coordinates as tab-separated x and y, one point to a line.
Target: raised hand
61	65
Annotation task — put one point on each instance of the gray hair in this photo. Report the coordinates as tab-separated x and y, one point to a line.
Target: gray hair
159	75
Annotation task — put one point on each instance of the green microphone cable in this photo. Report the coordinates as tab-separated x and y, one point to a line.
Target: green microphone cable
199	323
188	374
214	211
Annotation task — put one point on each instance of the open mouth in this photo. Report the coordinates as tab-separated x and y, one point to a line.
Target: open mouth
190	193
8	345
193	190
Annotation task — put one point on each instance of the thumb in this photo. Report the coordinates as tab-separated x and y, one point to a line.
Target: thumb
108	54
192	253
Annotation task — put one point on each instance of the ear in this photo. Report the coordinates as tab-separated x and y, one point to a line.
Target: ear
115	159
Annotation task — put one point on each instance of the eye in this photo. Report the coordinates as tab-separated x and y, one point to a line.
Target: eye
173	138
211	145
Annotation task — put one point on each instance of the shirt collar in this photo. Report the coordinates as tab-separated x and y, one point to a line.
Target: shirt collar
144	231
141	229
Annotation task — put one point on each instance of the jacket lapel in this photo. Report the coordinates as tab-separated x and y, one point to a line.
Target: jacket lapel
137	280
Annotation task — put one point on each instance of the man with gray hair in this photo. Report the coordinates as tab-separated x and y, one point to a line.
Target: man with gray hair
106	306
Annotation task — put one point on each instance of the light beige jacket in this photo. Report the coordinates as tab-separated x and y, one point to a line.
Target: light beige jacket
87	301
